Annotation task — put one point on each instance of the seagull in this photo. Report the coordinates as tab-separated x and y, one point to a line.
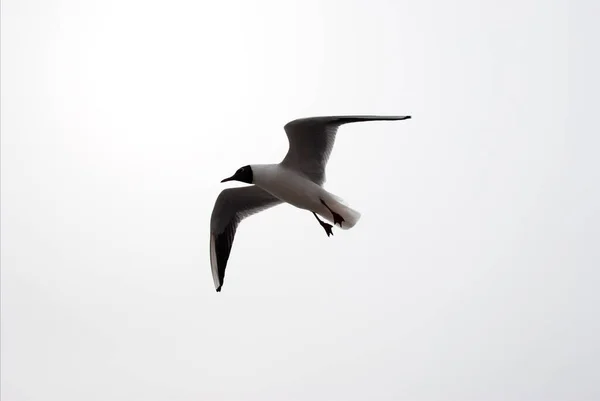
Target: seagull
297	180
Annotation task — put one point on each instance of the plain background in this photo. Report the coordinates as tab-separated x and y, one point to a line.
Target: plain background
472	275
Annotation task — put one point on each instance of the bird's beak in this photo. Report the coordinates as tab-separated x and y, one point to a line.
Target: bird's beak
228	179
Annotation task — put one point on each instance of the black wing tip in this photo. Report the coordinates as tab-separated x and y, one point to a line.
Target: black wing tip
391	118
367	118
344	119
219	288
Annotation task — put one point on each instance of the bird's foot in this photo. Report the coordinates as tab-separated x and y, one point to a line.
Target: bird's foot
337	219
327	227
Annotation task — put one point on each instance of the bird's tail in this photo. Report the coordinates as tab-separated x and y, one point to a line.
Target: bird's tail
339	206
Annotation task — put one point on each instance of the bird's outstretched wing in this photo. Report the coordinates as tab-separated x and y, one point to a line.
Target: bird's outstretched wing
311	140
231	207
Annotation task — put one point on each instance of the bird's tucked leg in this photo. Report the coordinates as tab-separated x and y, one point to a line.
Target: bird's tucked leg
326	226
337	219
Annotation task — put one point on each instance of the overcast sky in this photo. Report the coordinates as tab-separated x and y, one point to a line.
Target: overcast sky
473	273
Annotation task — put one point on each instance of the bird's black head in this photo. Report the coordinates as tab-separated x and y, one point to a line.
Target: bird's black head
243	174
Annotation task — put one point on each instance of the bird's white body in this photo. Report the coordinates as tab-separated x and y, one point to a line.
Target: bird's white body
297	190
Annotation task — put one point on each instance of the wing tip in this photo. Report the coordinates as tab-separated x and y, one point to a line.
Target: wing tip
214	264
349	117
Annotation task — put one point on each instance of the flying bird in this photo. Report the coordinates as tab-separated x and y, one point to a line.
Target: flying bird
297	180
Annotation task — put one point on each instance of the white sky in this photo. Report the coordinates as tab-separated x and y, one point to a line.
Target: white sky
472	275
